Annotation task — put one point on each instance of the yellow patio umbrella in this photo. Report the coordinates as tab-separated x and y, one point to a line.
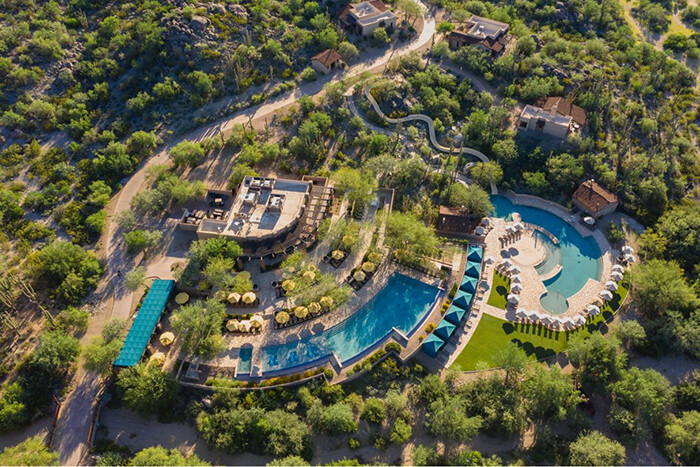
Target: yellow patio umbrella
359	276
374	257
182	298
157	358
167	338
314	307
244	326
368	267
309	276
301	312
248	297
232	325
256	321
326	301
234	297
244	275
349	240
289	285
337	255
282	317
220	295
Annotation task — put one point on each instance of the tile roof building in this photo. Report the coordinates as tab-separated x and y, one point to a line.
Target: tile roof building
487	34
548	122
594	199
365	17
565	108
326	61
453	221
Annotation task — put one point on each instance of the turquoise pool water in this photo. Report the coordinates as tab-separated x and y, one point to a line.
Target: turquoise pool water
579	256
402	303
244	360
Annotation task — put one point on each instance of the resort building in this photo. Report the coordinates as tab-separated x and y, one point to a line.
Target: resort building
486	34
364	17
326	61
563	107
550	123
594	199
452	221
265	214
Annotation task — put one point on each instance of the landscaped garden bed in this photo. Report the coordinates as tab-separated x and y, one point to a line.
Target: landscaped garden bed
500	288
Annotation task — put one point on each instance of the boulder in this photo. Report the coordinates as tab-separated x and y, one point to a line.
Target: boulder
238	10
199	23
217	8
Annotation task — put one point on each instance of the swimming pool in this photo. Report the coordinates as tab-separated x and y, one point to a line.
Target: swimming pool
402	303
578	256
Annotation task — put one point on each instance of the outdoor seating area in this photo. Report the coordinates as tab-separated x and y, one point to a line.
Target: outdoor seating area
513	234
460	306
287	317
361	275
251	324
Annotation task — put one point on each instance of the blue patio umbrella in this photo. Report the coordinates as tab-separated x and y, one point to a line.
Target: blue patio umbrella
463	299
473	269
455	315
432	345
468	284
444	330
475	254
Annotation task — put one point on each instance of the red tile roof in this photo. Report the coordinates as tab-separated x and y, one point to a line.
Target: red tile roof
593	196
327	57
566	108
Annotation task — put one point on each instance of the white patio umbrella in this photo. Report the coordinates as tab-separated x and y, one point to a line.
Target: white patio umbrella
610	285
616	276
516	288
589	220
513	298
510	229
546	319
489	260
516	279
606	295
579	320
630	258
568	321
506	263
593	309
521	313
618	268
514	270
479	230
627	249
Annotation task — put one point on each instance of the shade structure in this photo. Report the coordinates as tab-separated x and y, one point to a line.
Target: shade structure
248	297
157	358
627	249
455	314
521	313
314	307
606	294
337	255
479	230
244	326
532	315
510	229
513	298
432	345
359	276
472	270
516	288
568	321
289	285
630	258
326	301
167	338
468	284
518	226
232	325
516	279
593	309
618	268
282	317
514	270
589	220
475	254
463	299
256	321
368	266
610	285
489	260
309	276
182	298
145	323
374	257
234	297
349	240
506	263
220	295
444	330
301	312
616	276
579	320
486	221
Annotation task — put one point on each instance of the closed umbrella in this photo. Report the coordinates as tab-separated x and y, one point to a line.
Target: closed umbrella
589	220
630	258
606	294
301	312
248	298
256	321
167	338
157	358
359	276
618	268
610	285
309	276
232	325
314	307
244	326
289	285
337	255
513	298
593	309
516	279
234	297
627	249
516	288
368	267
326	301
282	317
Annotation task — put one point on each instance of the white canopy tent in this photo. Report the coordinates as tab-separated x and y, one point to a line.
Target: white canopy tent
606	294
593	309
610	285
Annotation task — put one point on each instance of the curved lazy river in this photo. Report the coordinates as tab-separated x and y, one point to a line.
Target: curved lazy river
403	303
579	256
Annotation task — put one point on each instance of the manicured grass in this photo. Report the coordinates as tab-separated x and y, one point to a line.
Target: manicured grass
494	334
500	288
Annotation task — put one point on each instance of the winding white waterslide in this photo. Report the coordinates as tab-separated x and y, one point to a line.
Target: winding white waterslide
431	132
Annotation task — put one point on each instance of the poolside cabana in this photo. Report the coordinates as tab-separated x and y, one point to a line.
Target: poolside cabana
463	299
145	323
444	330
432	345
468	284
473	269
610	285
475	254
455	315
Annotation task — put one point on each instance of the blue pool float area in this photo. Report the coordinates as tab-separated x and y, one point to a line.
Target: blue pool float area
403	303
577	257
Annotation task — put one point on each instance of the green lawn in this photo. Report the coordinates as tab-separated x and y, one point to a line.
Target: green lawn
500	288
494	334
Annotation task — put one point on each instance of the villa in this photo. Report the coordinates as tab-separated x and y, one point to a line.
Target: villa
326	61
563	107
548	122
486	34
365	17
594	199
